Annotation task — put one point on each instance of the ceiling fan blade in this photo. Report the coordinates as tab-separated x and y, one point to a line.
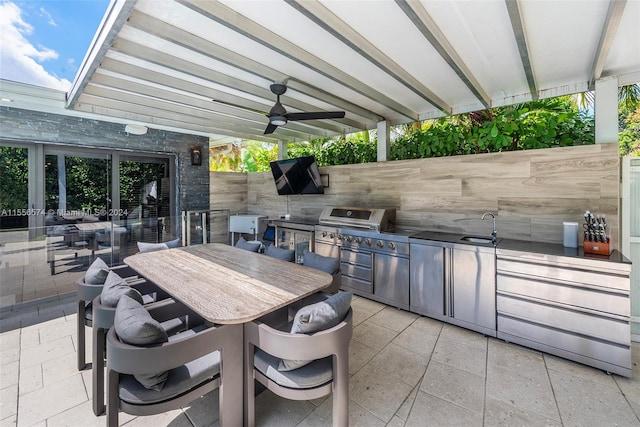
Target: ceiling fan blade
242	107
270	129
315	115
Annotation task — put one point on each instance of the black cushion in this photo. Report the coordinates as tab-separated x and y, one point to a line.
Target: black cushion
283	254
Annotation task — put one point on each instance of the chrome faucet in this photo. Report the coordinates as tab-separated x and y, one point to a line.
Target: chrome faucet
494	233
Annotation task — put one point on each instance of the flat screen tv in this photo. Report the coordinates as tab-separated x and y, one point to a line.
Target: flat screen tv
297	176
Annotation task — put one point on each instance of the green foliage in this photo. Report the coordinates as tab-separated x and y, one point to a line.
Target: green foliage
346	152
257	155
542	124
629	135
14	178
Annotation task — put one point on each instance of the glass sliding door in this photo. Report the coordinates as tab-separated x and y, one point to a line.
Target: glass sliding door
15	247
77	201
146	199
63	207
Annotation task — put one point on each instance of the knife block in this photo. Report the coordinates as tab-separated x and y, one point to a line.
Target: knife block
598	248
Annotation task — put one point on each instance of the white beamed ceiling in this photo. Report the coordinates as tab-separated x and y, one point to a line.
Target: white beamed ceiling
164	62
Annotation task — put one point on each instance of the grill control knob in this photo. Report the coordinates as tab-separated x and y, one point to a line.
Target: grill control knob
368	241
339	236
358	239
332	235
349	238
380	244
392	245
324	234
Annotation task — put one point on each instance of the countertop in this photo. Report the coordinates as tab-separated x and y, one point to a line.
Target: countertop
543	248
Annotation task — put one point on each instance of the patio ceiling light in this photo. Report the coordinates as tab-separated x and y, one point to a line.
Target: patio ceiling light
136	129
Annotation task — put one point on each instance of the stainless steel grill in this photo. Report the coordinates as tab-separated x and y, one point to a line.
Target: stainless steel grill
374	259
377	219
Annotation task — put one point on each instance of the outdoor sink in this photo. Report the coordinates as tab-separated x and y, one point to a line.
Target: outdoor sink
473	239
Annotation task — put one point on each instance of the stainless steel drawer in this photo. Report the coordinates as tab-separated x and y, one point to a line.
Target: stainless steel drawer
351	270
565	341
589	298
353	257
358	285
561	274
587	325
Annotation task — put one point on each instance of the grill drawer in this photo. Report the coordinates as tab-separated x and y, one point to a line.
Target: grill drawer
357	284
357	258
357	271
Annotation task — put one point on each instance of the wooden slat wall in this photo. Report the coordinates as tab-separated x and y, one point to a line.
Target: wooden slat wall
532	192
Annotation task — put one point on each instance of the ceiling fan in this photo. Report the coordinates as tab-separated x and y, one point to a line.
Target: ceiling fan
278	115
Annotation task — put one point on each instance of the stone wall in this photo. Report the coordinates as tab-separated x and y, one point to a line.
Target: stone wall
532	192
31	126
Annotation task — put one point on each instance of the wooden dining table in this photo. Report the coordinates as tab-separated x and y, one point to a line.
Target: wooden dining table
228	287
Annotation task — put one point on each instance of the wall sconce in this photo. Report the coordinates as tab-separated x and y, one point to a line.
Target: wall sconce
196	156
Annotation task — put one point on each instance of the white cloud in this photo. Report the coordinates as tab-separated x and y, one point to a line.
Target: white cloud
19	59
44	12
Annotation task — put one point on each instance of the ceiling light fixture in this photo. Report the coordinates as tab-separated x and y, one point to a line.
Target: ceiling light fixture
136	129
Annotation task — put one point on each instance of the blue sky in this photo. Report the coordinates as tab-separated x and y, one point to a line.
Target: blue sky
43	42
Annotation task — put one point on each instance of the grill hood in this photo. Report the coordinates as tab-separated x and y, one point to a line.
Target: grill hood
378	219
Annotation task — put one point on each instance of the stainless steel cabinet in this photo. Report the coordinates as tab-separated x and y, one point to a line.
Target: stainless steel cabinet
294	237
427	281
391	278
454	283
574	308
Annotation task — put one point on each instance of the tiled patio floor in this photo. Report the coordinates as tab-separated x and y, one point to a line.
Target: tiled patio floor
405	370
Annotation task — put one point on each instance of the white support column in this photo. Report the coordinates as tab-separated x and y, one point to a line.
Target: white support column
62	183
606	110
384	141
282	150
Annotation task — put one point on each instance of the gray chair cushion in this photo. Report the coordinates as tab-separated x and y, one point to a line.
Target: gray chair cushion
283	254
322	263
97	272
135	326
313	374
179	380
115	287
250	246
151	247
175	243
322	315
317	317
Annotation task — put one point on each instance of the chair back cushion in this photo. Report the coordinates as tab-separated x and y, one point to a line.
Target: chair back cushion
135	326
97	272
250	246
322	263
318	317
151	247
175	243
280	253
114	288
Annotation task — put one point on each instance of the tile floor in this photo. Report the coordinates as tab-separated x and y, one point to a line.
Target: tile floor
405	370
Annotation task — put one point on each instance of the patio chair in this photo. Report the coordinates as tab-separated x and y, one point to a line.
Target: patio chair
280	253
90	286
152	247
307	360
253	246
104	309
175	370
326	264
